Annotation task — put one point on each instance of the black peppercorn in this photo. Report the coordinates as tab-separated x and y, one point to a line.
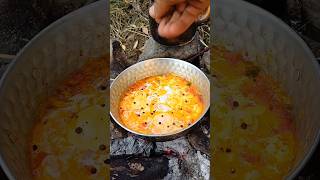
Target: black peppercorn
233	171
93	170
102	147
78	130
235	103
244	125
34	147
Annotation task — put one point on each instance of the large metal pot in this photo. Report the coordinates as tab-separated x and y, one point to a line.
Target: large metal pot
55	52
282	54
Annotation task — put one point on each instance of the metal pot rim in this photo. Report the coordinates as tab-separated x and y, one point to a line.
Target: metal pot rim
310	57
67	18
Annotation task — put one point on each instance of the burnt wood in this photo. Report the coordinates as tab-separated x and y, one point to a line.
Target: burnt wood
129	167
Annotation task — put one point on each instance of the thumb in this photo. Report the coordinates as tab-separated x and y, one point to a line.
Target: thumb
160	8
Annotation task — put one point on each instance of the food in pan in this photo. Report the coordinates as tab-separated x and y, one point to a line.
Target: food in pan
252	121
69	141
160	104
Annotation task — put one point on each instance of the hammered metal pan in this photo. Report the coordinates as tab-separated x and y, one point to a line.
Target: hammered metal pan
48	58
279	51
152	67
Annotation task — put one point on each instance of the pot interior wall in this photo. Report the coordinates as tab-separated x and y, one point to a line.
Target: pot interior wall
279	51
54	53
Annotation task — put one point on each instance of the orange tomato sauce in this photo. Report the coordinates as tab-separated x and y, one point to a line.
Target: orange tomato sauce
253	131
69	139
160	104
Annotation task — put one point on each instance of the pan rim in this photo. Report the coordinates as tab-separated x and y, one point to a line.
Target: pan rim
169	134
4	79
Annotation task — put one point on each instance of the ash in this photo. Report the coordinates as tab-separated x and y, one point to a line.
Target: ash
182	158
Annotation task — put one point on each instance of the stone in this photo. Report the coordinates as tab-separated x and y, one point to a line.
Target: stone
199	138
186	162
205	62
130	145
116	131
179	146
119	60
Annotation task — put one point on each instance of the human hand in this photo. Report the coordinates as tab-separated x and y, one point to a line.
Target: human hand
176	16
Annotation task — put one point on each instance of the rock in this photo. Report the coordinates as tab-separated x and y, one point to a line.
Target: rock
179	146
119	60
130	145
205	62
199	139
189	164
193	166
116	131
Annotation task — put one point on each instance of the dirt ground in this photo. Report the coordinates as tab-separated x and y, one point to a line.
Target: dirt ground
129	25
20	20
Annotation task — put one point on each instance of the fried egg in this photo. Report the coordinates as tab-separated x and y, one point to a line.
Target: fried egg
160	104
70	139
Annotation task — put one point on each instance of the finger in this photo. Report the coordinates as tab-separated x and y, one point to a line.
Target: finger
181	7
174	18
170	27
161	7
151	11
181	24
152	14
163	26
199	5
